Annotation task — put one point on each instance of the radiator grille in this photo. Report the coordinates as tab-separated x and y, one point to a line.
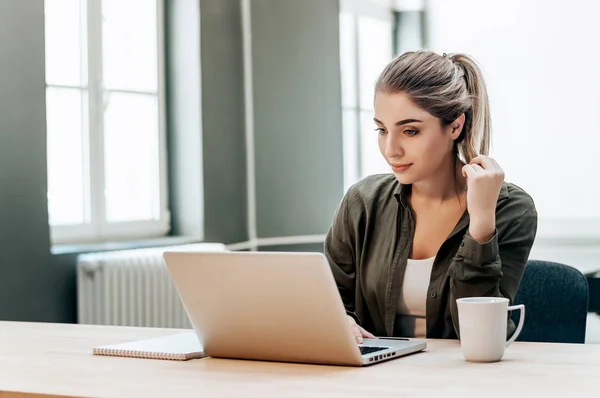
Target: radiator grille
131	288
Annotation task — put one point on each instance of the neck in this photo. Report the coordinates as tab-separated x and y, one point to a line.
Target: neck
445	184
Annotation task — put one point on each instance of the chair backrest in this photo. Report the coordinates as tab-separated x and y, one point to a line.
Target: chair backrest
556	303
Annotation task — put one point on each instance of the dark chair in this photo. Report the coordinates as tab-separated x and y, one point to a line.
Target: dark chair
556	303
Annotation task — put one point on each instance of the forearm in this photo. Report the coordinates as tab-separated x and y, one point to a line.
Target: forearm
482	226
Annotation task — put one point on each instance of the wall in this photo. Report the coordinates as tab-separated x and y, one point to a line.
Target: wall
32	287
224	155
207	152
293	164
297	115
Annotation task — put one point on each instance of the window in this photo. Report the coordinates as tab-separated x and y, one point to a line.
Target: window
105	120
370	30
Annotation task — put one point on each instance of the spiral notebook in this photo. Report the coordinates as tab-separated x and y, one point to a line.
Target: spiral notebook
178	347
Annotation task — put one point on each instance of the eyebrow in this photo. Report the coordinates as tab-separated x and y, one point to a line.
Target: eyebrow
401	122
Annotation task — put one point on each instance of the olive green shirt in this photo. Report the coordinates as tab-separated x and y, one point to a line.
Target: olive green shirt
370	239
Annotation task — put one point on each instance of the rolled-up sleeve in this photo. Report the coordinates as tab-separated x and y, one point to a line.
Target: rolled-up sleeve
493	268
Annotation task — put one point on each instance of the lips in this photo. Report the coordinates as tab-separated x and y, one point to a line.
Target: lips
399	168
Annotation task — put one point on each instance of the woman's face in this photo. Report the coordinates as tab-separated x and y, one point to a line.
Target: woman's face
411	140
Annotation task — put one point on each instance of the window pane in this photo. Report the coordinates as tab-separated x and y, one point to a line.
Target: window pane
131	158
409	31
65	38
66	182
375	50
372	161
350	135
129	36
348	59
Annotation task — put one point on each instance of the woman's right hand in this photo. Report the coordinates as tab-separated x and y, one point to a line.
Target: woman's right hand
357	331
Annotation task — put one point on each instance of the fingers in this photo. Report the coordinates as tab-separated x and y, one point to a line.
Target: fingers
484	161
478	169
359	332
486	165
481	164
366	334
356	330
469	171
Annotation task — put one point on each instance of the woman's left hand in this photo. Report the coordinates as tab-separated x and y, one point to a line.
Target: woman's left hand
484	180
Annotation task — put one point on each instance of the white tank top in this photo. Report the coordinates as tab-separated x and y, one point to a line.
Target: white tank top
413	298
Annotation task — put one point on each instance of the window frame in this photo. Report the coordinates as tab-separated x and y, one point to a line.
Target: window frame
95	227
353	148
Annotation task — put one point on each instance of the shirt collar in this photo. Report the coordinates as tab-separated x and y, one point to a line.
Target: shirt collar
402	192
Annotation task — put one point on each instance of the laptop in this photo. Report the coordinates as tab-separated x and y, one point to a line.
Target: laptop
273	306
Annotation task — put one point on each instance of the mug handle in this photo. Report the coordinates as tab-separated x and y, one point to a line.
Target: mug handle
520	307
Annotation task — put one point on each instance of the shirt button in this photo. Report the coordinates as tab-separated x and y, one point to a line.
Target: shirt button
433	294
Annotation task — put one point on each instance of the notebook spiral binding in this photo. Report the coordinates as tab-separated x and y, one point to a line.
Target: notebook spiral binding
143	354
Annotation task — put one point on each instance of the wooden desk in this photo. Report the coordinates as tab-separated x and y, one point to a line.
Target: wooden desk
56	359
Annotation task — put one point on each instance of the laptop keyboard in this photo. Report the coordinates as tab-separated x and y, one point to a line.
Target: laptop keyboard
368	349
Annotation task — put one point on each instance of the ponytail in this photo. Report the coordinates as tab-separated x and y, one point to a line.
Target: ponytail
478	134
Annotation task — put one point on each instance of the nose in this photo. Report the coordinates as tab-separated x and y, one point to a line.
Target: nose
393	146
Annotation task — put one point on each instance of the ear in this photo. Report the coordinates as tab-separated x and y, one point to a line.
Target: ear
456	127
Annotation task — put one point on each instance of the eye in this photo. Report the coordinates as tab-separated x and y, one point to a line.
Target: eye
380	130
411	133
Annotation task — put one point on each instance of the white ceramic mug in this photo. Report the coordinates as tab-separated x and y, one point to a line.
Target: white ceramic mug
483	327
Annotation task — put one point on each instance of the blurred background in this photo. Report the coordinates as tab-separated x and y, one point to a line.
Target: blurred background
131	124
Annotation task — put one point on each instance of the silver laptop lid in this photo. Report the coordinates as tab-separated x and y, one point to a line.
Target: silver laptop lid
264	305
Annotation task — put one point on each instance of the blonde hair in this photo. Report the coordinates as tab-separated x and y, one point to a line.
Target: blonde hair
446	86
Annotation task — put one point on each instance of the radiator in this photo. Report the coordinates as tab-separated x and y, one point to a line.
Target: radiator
131	288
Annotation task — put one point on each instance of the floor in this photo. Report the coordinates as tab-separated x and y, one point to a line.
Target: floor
592	334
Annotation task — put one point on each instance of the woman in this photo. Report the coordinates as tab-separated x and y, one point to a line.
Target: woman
404	246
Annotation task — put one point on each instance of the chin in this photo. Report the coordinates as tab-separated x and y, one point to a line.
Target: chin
405	178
